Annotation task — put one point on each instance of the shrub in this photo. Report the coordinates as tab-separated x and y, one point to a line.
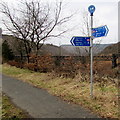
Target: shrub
30	66
103	68
67	67
46	63
43	63
7	52
14	63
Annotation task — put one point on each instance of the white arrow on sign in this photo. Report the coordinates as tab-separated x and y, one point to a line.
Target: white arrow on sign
80	41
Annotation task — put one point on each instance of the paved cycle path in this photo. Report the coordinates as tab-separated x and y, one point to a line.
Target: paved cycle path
39	103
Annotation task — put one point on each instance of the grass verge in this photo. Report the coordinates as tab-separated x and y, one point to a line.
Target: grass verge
105	101
10	111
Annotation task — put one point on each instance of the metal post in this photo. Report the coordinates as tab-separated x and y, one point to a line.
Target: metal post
91	9
91	62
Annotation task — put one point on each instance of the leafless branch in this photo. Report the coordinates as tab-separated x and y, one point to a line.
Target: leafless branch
35	22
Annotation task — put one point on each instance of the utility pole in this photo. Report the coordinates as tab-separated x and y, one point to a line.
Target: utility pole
91	9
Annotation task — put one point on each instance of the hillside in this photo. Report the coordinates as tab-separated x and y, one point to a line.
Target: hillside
76	51
47	48
63	50
112	49
54	50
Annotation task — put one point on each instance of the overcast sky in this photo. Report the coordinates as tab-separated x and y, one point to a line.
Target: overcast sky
106	13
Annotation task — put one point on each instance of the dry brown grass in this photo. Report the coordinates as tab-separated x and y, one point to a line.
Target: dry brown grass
104	68
77	90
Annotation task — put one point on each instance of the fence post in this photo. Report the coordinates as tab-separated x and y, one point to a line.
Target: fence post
114	61
83	59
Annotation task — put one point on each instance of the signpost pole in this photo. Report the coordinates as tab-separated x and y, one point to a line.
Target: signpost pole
91	62
91	9
88	41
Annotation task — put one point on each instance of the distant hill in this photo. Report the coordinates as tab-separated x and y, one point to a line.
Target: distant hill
76	51
112	49
12	43
63	50
54	50
47	48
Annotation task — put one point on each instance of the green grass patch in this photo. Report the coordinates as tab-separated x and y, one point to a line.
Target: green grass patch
10	111
13	71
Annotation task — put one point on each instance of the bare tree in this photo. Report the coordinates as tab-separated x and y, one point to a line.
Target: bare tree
35	23
77	51
17	25
85	29
18	46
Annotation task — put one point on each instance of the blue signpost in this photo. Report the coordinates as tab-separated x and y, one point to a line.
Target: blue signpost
88	41
80	41
100	31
